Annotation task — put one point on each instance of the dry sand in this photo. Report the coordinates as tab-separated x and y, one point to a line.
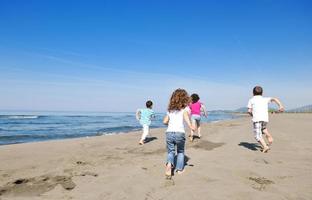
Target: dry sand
225	164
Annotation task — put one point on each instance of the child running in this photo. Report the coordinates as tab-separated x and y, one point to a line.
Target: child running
175	134
258	109
196	107
145	117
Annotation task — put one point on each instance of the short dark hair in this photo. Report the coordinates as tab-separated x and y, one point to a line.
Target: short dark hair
257	90
195	98
149	104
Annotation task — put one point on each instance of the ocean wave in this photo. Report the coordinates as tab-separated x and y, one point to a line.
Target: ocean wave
88	116
117	129
20	116
130	115
76	116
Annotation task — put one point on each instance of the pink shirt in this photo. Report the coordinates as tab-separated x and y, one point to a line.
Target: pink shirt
195	108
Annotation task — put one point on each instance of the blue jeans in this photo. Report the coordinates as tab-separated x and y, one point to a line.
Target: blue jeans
175	139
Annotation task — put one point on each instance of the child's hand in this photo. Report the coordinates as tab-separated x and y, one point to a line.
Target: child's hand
281	109
138	115
249	111
193	128
166	120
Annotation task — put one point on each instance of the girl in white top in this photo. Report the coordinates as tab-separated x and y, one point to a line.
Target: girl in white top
178	112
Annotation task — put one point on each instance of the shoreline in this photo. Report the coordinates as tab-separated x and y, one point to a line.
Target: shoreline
117	133
225	164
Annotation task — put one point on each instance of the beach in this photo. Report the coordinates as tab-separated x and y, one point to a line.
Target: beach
226	163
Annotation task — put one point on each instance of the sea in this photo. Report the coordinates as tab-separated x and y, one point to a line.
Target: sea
23	127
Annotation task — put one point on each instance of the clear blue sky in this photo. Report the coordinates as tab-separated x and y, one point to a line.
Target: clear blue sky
114	55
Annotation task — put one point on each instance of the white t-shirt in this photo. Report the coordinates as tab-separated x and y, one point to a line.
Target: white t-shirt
259	106
176	123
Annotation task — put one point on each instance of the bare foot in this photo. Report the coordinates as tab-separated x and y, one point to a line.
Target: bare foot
168	172
141	142
265	150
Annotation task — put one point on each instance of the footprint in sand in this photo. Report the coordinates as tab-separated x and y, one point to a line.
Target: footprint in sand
36	186
207	145
169	182
260	183
5	175
88	174
81	163
261	160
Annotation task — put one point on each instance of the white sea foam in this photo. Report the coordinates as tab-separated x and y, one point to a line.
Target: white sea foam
23	117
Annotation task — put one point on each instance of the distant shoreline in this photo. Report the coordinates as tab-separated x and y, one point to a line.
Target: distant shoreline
21	128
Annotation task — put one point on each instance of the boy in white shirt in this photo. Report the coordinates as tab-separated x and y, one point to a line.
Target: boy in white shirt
258	109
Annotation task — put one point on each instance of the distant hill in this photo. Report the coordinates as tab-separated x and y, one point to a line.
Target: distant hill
303	109
272	108
219	111
241	110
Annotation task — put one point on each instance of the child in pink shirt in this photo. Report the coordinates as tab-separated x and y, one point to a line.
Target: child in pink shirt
196	107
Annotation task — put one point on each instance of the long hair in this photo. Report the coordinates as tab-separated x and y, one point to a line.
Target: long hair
179	100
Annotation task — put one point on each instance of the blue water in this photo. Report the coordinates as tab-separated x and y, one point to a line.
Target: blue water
21	127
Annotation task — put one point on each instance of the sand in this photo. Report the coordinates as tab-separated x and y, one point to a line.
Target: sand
225	164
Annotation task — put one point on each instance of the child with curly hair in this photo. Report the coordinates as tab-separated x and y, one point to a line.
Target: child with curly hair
175	135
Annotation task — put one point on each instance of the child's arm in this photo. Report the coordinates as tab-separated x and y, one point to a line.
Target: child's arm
187	120
278	102
249	106
249	111
204	109
166	120
138	114
153	116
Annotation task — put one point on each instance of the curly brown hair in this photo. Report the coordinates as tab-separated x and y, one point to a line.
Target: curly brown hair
179	100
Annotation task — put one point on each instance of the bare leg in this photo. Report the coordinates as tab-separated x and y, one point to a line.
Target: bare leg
258	136
168	170
144	134
268	136
192	132
264	145
198	130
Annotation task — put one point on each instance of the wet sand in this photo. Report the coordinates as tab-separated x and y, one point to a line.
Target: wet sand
225	164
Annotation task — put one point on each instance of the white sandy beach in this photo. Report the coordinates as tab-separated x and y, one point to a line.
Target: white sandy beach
225	164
